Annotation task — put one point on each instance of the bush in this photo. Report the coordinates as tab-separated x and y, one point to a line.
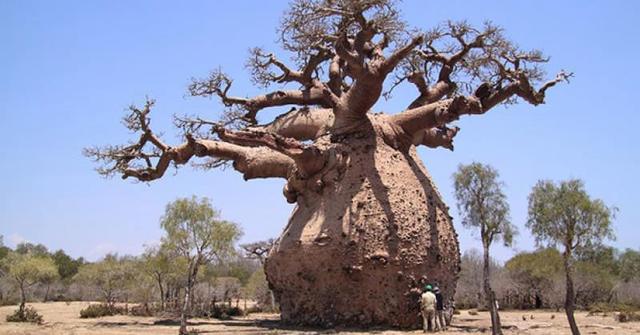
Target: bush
141	310
627	316
253	309
472	312
224	312
100	310
602	307
29	314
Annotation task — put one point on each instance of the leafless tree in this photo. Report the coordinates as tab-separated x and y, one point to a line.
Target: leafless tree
349	170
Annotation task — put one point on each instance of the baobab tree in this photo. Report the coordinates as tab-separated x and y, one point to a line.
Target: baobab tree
369	226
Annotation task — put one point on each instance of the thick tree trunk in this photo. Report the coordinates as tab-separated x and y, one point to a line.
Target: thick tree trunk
490	296
359	250
570	296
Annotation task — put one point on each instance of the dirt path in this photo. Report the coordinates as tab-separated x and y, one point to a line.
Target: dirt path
63	319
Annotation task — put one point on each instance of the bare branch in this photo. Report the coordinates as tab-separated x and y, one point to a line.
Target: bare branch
392	61
485	97
260	63
134	161
219	84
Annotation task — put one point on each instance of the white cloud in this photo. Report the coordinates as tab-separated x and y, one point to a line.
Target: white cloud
100	250
14	239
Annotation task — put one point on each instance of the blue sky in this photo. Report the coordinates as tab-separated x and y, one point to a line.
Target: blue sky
68	69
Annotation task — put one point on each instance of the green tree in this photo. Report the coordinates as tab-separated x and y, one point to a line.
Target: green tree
4	250
629	265
24	248
159	263
483	205
603	256
535	272
67	266
564	214
111	276
196	233
26	270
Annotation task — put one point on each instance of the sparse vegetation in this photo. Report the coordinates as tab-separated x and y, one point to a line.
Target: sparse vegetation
628	316
100	310
26	314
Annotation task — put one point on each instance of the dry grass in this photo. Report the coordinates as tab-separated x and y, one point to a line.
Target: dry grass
61	318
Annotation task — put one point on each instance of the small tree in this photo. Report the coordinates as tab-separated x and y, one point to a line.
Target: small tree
259	250
258	289
24	248
482	204
26	270
110	275
535	273
565	215
629	265
196	232
67	266
157	262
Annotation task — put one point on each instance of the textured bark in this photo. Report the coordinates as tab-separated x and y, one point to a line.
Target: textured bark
359	251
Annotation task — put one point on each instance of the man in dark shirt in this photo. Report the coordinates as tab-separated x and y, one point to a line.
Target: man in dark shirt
440	324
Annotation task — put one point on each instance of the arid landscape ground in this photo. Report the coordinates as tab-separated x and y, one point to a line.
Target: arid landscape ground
62	318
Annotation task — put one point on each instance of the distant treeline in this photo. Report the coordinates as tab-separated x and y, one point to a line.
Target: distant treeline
154	280
536	279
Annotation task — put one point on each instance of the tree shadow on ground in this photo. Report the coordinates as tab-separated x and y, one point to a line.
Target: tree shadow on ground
277	326
111	324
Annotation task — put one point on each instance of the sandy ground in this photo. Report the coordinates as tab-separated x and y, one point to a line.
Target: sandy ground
62	318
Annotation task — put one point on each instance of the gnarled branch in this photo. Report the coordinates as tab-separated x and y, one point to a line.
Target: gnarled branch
218	84
133	161
485	97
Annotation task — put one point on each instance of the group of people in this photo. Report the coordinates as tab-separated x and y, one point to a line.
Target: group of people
432	308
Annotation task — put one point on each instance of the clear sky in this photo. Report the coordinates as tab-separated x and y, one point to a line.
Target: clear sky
68	69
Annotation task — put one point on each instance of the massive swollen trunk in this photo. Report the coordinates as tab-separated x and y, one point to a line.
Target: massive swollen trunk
360	250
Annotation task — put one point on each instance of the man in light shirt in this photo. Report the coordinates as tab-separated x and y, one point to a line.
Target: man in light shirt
428	308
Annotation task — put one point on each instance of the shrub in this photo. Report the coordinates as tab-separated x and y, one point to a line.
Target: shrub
627	316
141	310
253	309
602	307
472	312
100	310
29	314
224	312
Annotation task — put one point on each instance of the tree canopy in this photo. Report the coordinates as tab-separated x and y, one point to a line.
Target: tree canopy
564	214
482	203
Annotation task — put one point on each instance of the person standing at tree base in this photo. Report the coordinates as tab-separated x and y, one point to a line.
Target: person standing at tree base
428	308
439	316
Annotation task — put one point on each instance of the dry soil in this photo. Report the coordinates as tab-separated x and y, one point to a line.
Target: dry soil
63	318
